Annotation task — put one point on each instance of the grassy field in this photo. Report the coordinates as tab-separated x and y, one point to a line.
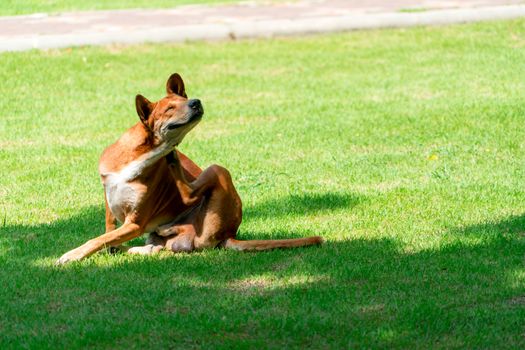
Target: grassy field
20	7
405	149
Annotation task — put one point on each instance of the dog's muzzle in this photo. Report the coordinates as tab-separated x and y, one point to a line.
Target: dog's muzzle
196	108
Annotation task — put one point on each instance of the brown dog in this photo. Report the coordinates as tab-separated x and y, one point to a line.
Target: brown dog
149	186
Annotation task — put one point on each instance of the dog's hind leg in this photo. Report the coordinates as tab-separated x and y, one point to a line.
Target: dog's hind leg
182	243
177	237
220	212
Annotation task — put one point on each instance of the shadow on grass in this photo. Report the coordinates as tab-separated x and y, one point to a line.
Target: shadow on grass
303	204
90	223
355	293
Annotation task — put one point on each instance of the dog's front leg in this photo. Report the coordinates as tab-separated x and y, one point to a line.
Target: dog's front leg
111	221
126	232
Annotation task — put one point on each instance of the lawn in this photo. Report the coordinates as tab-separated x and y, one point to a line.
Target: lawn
18	7
405	149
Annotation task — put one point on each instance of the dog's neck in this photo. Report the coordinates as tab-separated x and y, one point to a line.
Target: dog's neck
149	142
143	150
142	141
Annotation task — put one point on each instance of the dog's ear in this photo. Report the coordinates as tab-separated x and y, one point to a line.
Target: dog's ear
144	108
175	85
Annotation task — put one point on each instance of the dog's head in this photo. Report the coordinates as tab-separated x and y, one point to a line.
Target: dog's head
172	117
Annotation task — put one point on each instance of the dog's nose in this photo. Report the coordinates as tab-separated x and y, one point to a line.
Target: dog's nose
194	103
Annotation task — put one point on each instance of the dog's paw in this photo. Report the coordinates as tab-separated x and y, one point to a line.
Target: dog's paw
145	250
69	257
74	255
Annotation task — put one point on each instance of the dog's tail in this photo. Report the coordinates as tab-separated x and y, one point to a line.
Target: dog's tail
231	243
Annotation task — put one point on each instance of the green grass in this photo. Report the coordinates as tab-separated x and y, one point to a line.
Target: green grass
405	149
20	7
413	9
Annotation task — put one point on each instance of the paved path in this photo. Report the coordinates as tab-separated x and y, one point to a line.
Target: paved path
240	20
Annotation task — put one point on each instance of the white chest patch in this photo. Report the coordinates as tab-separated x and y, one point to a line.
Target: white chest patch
123	195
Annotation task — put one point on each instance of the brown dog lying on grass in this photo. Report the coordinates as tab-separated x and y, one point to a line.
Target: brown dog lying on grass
149	186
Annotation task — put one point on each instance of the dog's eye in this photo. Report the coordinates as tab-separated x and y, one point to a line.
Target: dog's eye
170	108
